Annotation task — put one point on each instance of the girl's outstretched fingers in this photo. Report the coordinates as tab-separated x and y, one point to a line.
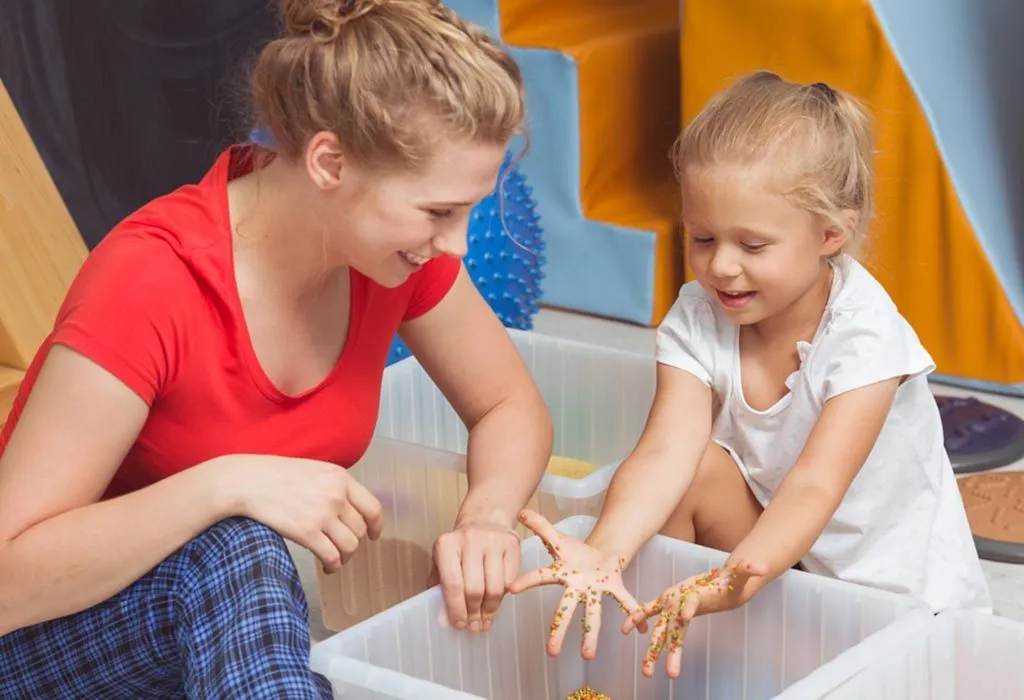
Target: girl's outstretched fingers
638	618
591	623
674	658
540	526
560	622
543	576
655	646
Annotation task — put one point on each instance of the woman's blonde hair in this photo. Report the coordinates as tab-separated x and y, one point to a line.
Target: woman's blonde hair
389	78
816	140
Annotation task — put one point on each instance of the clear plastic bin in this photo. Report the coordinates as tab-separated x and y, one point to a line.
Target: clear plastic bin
792	627
599	399
954	656
421	489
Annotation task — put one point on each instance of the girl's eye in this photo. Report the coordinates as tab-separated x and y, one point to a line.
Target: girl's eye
755	247
702	240
440	213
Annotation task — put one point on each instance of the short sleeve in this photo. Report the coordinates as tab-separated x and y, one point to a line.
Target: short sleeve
687	338
125	312
432	283
868	347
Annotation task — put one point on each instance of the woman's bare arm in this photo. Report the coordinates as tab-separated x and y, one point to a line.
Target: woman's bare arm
62	551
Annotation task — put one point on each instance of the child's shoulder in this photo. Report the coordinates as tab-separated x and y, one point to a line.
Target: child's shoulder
865	338
693	307
861	295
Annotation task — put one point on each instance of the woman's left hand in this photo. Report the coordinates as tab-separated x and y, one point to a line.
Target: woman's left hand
718	590
475	563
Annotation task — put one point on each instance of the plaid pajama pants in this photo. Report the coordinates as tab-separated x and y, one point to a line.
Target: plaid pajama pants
224	617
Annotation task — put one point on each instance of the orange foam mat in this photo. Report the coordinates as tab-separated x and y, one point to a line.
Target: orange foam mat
628	76
922	249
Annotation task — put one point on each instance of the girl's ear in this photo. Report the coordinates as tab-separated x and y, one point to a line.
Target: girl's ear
836	236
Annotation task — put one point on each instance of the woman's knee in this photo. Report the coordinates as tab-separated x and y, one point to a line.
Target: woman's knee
240	543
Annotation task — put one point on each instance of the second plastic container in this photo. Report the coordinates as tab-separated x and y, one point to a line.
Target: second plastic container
795	625
598	397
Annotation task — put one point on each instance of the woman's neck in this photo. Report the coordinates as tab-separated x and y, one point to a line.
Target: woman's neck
276	234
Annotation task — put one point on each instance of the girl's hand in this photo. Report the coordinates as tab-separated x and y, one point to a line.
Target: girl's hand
474	563
315	504
587	575
715	591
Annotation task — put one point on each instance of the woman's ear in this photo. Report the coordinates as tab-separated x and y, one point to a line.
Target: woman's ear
324	160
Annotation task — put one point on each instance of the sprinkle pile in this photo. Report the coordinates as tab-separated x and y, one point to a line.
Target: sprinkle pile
586	693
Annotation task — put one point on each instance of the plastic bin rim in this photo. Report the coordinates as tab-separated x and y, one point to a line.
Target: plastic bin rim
594	484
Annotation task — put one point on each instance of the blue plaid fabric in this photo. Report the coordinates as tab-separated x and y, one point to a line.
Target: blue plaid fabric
224	617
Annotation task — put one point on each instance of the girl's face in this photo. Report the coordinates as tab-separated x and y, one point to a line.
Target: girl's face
751	248
395	222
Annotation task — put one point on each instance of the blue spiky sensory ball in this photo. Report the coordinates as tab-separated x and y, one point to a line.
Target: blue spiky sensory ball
505	253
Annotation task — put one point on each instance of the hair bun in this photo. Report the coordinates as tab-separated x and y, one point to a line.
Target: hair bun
322	20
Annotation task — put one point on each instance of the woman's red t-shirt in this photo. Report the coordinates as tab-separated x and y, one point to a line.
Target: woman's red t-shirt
156	305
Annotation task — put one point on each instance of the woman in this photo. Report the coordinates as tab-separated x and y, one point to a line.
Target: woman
220	354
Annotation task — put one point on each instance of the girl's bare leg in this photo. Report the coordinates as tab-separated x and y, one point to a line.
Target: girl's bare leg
718	510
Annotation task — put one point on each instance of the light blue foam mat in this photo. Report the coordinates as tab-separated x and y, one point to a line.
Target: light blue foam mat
592	267
965	62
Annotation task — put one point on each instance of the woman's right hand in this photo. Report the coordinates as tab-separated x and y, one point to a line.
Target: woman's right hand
587	574
315	504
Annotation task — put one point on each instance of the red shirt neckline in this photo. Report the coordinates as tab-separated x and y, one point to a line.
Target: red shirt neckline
235	162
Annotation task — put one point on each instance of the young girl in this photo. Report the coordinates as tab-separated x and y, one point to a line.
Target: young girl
218	361
793	423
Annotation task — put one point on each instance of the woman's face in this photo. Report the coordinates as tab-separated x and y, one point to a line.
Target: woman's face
391	224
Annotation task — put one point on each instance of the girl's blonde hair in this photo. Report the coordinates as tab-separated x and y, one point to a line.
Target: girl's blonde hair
389	78
816	140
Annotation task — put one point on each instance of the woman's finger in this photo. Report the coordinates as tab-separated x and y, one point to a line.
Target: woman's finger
560	622
474	580
448	560
343	538
494	584
510	560
325	550
591	624
368	507
353	520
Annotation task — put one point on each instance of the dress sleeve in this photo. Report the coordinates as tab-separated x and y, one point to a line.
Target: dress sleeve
126	311
687	338
870	347
432	283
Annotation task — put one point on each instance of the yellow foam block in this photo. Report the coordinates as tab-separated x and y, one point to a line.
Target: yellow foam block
570	468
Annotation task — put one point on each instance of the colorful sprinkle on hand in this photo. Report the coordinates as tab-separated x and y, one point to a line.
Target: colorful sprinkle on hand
713	591
587	575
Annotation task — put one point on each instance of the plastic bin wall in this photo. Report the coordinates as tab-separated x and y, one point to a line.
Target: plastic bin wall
955	656
421	489
598	397
795	625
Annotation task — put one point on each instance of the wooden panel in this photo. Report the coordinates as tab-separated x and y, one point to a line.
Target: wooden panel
10	379
41	249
